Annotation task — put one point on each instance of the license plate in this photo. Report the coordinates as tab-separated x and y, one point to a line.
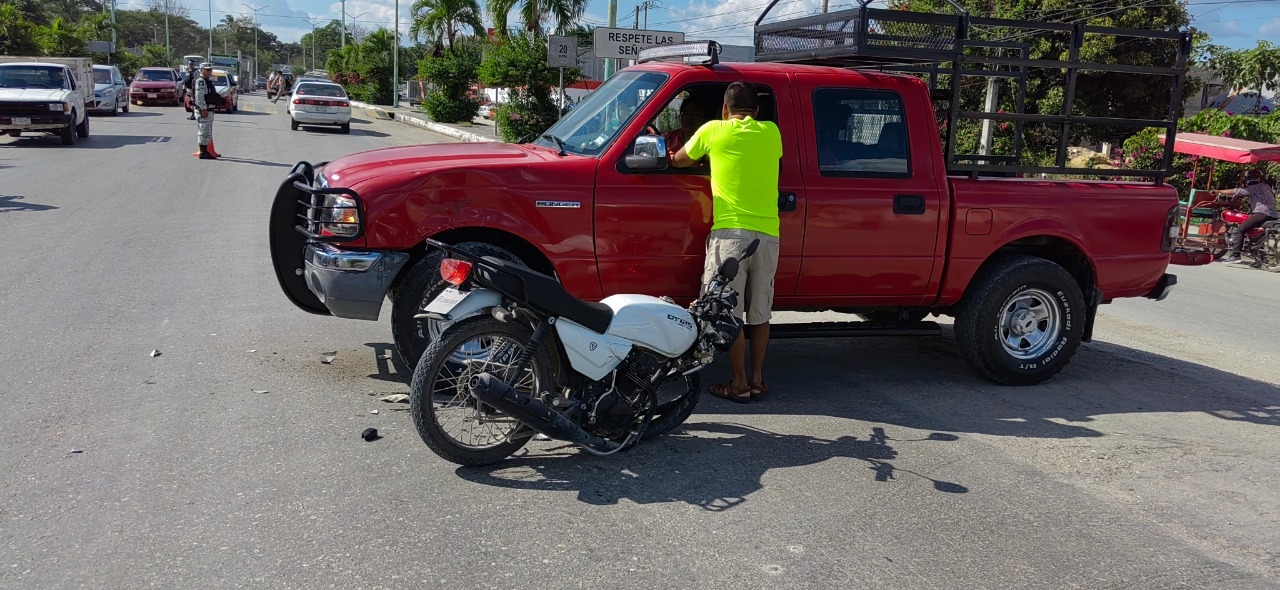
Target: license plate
21	120
321	109
446	301
151	95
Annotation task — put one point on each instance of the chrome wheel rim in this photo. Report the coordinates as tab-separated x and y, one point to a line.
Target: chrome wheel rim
1030	323
460	416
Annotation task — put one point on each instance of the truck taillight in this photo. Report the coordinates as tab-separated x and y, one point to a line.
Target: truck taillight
1171	229
455	272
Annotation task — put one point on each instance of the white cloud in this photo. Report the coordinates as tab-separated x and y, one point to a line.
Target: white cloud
1269	28
732	21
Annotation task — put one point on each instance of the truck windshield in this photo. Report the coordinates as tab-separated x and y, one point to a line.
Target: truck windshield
592	125
32	77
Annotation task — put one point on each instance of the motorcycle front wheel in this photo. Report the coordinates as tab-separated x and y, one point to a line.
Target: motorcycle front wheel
450	420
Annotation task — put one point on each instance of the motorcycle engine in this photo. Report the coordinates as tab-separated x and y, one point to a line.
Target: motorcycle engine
616	411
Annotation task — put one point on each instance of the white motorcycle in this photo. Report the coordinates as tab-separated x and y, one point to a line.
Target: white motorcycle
524	357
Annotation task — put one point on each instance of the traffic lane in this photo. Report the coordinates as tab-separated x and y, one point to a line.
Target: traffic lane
192	477
1226	303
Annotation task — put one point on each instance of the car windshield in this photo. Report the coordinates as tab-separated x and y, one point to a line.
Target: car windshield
155	75
14	76
592	125
219	80
101	76
320	90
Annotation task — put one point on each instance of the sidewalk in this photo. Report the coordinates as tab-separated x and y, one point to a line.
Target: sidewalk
482	130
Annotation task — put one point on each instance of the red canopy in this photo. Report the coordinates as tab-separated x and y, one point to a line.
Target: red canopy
1227	149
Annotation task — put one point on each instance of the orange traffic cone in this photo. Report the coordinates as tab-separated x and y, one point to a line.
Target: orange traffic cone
212	151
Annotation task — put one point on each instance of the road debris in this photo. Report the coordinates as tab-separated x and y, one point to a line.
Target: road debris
76	451
370	434
373	411
155	352
260	390
385	357
396	398
327	357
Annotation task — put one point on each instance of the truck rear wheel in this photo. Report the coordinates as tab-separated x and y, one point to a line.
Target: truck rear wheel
1021	320
416	290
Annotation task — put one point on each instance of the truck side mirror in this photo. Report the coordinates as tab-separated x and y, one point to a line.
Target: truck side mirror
648	153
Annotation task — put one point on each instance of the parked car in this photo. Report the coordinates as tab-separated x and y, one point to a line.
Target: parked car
226	85
110	92
320	103
45	95
260	82
155	85
486	111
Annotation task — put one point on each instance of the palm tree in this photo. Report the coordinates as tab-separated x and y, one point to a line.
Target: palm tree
439	21
564	13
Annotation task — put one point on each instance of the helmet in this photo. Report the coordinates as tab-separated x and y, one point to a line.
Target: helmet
1253	177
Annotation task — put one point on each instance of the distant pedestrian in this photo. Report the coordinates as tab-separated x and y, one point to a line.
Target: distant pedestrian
189	84
206	100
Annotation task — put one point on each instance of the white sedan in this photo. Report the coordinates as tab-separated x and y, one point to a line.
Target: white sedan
320	103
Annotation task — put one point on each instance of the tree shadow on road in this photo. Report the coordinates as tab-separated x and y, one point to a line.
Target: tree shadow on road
712	465
11	204
93	142
236	160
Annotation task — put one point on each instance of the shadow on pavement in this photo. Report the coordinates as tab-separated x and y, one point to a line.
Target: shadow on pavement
718	466
93	142
236	160
11	204
133	114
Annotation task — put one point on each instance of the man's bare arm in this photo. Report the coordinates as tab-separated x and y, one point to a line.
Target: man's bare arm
681	159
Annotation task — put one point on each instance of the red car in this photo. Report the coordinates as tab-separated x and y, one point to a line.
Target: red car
872	222
155	85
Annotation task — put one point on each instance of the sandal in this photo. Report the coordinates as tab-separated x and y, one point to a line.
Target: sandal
759	391
727	391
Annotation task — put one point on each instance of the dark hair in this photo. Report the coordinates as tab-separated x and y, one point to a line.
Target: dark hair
740	98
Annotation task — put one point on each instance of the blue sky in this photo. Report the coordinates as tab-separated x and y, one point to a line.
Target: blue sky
1234	23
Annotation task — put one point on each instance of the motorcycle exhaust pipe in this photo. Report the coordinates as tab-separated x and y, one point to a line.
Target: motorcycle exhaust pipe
535	414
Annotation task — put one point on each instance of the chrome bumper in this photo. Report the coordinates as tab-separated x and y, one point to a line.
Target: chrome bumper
351	284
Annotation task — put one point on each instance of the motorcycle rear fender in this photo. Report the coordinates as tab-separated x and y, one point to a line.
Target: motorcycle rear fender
471	302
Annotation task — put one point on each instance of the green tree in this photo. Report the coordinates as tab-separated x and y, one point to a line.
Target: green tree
440	21
62	38
519	63
564	14
1248	69
452	73
321	41
154	55
17	34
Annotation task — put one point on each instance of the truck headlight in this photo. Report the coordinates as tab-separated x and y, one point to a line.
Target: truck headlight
339	216
56	106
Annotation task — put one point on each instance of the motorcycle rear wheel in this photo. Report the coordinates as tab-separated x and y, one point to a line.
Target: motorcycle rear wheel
450	420
1269	251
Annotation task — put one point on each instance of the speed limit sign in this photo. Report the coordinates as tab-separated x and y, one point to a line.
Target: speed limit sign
562	52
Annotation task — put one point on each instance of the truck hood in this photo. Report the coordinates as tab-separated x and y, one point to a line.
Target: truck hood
400	164
33	94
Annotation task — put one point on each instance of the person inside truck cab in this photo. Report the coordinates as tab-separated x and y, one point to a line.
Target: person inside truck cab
692	116
832	121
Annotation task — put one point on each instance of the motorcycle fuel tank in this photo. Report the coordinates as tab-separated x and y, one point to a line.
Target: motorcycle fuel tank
665	328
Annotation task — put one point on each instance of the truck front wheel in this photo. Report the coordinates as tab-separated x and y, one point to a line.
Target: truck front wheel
68	134
83	128
421	285
1021	320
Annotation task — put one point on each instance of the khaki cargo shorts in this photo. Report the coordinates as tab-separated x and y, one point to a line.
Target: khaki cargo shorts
754	282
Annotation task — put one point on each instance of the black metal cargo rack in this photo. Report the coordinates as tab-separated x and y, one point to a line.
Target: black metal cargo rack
962	47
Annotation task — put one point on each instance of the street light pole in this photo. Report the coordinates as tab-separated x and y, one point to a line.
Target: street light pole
168	50
344	25
256	65
313	42
395	61
210	56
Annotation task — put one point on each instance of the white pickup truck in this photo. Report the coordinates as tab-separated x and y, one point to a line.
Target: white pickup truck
45	95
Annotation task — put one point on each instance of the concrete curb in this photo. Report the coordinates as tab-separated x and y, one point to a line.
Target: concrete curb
432	126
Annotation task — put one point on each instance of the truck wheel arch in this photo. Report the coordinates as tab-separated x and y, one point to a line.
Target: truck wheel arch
523	249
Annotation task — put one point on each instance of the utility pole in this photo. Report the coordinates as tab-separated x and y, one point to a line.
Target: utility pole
344	25
255	35
824	6
210	56
636	24
313	42
168	49
395	61
613	22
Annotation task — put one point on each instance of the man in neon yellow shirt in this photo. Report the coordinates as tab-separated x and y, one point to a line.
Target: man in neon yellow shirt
745	159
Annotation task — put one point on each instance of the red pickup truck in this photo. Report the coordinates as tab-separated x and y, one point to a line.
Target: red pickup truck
872	223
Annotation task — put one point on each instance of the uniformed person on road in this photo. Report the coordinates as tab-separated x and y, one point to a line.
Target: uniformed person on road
206	99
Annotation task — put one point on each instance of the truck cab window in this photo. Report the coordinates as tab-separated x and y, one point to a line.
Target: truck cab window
592	125
860	133
693	106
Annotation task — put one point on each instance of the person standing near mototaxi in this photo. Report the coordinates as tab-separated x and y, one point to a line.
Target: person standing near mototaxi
206	100
745	157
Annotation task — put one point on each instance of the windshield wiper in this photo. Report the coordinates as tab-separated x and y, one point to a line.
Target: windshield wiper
559	142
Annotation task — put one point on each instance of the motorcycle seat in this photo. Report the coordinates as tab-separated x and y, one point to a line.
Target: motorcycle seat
546	294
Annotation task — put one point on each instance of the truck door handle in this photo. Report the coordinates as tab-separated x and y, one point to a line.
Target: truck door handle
908	204
786	202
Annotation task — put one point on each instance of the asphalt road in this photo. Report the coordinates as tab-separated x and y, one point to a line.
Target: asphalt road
1150	463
